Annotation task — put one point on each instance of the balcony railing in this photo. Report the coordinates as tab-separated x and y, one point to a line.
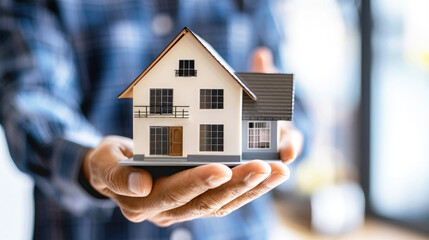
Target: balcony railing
161	112
186	73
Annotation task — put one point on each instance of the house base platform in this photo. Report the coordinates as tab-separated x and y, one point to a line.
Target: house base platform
166	163
164	168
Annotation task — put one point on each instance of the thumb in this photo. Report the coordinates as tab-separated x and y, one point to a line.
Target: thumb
262	61
128	181
291	143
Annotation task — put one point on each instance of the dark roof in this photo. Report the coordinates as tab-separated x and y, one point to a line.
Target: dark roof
275	96
127	92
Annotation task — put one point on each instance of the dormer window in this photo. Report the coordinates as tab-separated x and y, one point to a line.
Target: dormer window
186	69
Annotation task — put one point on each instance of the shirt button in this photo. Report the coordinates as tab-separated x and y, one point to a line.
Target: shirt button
181	234
162	24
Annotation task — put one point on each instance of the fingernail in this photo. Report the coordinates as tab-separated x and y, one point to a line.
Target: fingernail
134	183
275	179
255	178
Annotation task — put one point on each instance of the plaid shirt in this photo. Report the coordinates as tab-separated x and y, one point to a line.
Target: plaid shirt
63	64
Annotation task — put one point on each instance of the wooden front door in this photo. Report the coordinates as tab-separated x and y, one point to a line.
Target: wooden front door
176	141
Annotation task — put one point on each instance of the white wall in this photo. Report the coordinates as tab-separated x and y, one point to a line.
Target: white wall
16	198
186	93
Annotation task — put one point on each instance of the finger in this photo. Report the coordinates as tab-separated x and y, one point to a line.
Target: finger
182	187
244	178
279	174
123	144
291	143
127	149
107	176
128	181
173	191
122	180
262	61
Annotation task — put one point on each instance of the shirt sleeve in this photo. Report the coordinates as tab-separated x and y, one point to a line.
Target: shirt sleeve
40	99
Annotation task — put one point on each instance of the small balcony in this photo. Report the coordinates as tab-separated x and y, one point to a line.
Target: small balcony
186	73
161	111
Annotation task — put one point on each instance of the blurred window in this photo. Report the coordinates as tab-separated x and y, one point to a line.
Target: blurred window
399	117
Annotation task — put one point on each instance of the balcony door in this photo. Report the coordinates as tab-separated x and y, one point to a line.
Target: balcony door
161	101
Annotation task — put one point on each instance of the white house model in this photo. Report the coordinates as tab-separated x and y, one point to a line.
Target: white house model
191	108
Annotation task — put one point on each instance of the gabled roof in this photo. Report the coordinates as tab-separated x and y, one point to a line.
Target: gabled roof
275	96
127	93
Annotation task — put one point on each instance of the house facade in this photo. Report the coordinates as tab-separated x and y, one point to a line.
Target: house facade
188	107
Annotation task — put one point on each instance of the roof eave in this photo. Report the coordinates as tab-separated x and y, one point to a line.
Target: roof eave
127	93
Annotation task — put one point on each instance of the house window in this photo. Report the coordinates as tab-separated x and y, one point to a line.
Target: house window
259	135
211	98
161	101
186	69
211	138
159	140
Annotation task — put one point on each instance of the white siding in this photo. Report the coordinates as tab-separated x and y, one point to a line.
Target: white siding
186	93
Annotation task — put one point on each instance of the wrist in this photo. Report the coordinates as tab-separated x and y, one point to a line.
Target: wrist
84	176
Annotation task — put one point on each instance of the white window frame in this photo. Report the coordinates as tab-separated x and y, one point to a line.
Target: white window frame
254	134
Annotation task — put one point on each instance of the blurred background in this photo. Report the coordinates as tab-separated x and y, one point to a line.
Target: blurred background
362	69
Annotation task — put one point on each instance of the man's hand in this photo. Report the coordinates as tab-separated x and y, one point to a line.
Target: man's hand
291	140
208	190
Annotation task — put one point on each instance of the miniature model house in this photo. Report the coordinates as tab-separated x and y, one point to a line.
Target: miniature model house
190	106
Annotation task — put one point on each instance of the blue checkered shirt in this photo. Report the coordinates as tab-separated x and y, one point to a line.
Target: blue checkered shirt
63	64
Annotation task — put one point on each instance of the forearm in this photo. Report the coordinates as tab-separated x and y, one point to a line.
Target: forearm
40	99
53	158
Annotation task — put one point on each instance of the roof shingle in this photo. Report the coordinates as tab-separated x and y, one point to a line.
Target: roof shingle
275	96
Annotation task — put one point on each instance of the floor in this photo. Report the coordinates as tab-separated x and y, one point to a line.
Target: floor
372	229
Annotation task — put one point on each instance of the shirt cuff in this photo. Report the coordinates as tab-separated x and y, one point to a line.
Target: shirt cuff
75	194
